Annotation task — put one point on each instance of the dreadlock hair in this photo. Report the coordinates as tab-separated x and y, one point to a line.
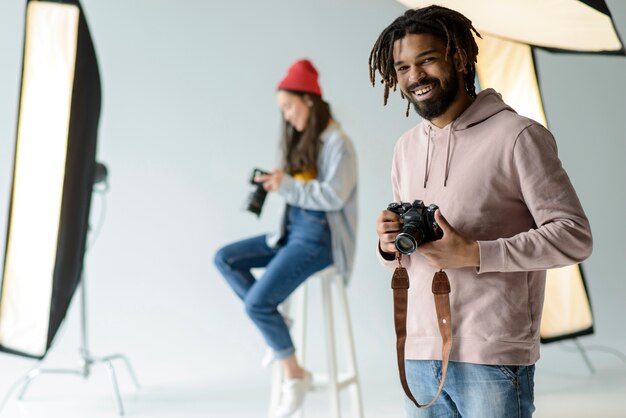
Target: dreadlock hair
301	149
454	29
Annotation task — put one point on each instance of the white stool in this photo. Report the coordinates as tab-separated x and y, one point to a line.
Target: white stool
332	380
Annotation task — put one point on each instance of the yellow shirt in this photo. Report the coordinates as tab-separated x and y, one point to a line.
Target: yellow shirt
305	175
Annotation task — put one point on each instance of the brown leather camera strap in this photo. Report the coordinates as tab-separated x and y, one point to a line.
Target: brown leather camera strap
441	291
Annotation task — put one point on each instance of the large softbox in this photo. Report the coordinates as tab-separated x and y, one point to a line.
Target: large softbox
511	31
59	109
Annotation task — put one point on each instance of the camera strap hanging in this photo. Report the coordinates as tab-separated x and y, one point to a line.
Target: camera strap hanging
441	291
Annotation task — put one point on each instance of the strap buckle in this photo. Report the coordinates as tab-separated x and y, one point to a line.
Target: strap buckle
441	284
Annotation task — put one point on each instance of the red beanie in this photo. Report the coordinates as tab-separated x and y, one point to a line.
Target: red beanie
302	77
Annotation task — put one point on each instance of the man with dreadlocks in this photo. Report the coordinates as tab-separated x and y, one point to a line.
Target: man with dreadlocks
510	214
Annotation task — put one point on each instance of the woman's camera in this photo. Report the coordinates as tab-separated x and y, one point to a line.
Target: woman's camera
419	225
256	198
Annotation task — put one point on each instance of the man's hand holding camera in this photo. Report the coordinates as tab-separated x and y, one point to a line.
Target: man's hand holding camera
272	180
428	232
388	225
452	251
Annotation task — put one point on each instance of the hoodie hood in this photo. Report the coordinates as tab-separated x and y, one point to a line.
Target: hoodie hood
487	103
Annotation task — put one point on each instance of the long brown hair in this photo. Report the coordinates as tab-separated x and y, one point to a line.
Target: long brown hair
301	149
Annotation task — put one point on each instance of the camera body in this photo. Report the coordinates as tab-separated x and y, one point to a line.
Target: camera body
256	198
419	225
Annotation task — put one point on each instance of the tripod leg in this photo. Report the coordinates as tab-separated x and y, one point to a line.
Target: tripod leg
24	381
131	372
116	389
583	353
30	376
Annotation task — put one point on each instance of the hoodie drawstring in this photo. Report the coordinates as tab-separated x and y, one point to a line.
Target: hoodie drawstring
426	168
445	179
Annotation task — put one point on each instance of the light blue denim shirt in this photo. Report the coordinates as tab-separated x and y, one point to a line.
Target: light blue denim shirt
333	191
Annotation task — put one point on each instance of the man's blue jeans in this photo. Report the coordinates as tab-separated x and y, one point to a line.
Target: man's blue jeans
306	249
471	390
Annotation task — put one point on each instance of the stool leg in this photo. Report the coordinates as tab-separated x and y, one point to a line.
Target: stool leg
277	380
299	327
299	334
300	320
355	387
285	308
333	387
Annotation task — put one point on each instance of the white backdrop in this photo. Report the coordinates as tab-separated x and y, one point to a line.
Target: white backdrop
189	109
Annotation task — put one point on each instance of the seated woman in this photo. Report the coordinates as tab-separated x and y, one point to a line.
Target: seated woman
318	180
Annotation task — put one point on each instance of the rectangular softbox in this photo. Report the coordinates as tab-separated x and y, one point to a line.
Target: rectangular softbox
59	109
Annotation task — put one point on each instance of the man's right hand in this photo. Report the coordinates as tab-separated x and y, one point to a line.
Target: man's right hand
388	225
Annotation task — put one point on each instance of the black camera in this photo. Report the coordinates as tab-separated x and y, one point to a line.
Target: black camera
419	225
256	198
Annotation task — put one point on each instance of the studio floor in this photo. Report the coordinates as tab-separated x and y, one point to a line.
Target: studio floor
565	387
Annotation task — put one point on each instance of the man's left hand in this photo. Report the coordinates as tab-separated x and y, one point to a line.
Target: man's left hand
451	251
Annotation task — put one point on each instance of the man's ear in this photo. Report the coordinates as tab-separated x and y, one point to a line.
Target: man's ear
460	61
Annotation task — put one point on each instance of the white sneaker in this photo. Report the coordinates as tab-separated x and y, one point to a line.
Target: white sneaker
292	394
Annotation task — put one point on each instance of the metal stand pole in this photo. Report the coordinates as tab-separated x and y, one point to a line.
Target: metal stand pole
583	353
87	360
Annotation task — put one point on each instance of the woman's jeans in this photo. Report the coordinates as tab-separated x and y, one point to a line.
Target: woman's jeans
306	249
471	390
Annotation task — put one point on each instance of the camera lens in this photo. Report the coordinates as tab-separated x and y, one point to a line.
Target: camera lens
409	238
255	200
405	243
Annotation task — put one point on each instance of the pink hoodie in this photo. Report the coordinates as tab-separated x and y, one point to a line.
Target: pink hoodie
497	179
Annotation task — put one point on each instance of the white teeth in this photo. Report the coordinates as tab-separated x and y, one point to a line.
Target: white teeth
421	91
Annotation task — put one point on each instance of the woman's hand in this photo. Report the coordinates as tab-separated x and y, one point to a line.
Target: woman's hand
272	180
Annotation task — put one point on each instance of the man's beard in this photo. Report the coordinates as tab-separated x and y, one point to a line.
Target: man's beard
438	105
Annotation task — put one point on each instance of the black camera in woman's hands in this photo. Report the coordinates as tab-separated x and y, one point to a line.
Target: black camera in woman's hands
419	225
256	198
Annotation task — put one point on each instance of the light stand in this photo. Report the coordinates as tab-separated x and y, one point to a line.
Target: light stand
86	358
583	352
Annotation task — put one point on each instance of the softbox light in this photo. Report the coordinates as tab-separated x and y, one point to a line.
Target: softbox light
59	110
568	311
511	32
